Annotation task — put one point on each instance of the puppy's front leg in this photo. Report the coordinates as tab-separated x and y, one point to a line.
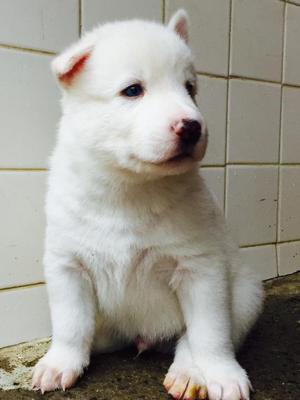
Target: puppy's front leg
72	307
203	292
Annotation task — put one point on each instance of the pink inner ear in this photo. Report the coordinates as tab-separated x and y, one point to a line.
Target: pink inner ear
181	29
77	66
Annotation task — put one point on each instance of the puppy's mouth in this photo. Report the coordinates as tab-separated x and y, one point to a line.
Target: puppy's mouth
179	157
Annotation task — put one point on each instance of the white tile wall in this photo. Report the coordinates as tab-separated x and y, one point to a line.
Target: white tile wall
24	315
209	32
251	208
39	24
99	11
212	100
29	110
254	121
22	227
291	53
256	38
290	140
262	259
244	119
215	180
289	204
288	257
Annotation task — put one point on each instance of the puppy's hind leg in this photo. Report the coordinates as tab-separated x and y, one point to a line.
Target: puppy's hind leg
72	306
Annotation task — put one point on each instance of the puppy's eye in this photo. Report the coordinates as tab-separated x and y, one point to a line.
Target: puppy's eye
135	90
190	88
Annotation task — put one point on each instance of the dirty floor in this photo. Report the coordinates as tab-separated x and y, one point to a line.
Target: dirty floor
271	357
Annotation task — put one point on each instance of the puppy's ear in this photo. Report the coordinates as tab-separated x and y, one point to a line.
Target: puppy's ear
69	64
179	23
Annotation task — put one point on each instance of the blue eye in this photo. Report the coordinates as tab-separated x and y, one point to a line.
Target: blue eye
133	90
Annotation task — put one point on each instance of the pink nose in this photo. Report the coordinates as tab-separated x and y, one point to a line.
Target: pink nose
189	131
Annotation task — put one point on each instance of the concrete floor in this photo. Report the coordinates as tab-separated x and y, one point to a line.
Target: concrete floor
270	355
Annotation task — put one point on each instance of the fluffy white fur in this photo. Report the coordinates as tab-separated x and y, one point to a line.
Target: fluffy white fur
135	247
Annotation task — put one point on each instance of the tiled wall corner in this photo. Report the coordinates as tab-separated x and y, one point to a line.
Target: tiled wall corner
209	32
262	259
256	39
288	257
24	315
251	203
253	122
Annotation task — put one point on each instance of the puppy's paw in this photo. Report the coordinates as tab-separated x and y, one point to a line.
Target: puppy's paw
225	380
184	384
58	369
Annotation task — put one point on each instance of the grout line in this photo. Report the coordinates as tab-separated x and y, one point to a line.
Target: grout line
239	77
227	111
212	166
163	13
291	85
211	75
292	2
26	286
278	209
269	244
27	49
231	164
247	78
250	78
23	169
80	17
250	164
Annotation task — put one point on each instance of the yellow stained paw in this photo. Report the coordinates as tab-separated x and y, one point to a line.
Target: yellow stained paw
191	392
203	393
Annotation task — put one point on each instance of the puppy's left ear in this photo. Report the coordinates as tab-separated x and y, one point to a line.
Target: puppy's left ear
179	23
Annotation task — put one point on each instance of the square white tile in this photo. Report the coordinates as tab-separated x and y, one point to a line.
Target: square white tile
22	227
291	65
288	257
215	180
29	109
256	39
262	259
251	203
289	204
212	102
253	121
24	315
290	133
95	12
209	32
39	24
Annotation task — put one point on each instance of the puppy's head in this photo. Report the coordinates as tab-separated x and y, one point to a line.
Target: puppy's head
129	97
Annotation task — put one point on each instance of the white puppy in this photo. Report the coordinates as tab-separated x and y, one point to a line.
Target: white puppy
136	250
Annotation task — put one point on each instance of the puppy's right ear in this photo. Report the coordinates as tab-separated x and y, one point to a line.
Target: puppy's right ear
69	64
